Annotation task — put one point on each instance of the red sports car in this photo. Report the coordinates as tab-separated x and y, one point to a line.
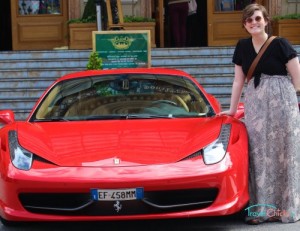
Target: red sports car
122	144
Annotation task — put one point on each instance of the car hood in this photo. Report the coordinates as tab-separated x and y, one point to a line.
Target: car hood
117	143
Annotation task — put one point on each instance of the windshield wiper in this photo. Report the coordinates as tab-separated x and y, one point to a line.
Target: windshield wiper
170	116
128	116
146	116
104	117
58	119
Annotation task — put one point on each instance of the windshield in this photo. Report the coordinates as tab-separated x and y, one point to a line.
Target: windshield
129	96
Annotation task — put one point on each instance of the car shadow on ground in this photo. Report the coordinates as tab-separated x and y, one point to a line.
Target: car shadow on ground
191	224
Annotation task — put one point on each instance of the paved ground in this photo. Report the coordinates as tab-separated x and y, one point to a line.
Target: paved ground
209	224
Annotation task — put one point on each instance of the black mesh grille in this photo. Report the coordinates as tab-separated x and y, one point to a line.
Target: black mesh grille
81	204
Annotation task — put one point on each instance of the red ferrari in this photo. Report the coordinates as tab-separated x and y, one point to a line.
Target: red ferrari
122	144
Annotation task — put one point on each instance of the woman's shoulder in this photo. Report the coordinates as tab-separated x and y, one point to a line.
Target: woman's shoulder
244	42
284	46
282	42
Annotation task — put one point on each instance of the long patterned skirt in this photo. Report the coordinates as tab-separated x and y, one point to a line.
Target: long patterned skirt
273	123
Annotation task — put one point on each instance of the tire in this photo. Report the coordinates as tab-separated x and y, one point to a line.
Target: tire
8	223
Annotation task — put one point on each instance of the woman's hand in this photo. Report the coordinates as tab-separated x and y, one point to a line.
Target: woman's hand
229	113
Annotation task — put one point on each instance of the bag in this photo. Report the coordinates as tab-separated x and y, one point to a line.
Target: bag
192	7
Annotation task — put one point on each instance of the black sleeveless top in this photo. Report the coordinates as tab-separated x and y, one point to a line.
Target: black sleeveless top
272	62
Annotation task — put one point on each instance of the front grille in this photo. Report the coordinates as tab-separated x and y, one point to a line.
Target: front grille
154	202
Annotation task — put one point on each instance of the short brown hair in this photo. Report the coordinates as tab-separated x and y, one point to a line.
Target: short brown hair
251	8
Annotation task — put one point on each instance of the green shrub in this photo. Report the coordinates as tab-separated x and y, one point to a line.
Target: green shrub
90	19
95	62
128	18
288	16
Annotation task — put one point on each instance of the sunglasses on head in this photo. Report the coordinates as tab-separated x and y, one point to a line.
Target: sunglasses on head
250	20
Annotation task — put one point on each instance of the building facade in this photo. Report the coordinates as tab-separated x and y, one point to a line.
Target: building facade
43	24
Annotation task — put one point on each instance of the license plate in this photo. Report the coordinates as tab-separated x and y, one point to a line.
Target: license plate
117	194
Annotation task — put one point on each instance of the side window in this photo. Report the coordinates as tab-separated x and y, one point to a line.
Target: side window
231	5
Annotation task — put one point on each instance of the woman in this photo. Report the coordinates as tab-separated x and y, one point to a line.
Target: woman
272	120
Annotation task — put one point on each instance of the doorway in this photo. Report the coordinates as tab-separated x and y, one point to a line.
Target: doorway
39	25
196	26
224	21
5	26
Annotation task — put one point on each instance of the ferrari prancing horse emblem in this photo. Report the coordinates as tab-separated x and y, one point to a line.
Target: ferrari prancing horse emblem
118	206
117	161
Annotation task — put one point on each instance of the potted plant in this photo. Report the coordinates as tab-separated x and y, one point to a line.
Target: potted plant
287	26
141	23
80	29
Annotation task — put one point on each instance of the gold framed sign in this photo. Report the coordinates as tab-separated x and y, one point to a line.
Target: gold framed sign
123	49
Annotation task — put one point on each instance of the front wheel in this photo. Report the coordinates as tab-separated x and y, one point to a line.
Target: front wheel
8	223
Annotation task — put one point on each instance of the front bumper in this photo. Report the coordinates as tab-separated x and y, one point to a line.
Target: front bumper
222	187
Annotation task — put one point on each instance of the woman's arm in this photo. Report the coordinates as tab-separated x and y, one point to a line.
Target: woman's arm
293	68
237	87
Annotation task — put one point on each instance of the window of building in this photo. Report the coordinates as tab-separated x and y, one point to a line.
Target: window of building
36	7
231	5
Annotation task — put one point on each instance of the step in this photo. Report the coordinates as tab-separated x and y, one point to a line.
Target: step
214	78
14	83
44	54
191	60
38	73
208	69
24	104
218	89
199	51
21	93
44	63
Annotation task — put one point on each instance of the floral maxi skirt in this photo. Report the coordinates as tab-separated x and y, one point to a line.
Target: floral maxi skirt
273	124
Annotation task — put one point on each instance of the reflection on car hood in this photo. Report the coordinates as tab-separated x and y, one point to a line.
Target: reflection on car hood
118	143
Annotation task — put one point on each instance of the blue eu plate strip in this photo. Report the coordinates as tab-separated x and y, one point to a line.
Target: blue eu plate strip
94	193
139	193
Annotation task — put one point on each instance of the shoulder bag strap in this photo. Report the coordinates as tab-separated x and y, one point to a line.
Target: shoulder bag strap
257	58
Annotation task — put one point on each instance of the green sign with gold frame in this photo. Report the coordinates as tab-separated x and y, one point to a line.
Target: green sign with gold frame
123	49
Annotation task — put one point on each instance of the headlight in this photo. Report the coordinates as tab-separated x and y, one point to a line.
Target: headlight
215	152
20	157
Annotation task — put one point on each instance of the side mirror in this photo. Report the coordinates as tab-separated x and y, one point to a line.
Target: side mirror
7	116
